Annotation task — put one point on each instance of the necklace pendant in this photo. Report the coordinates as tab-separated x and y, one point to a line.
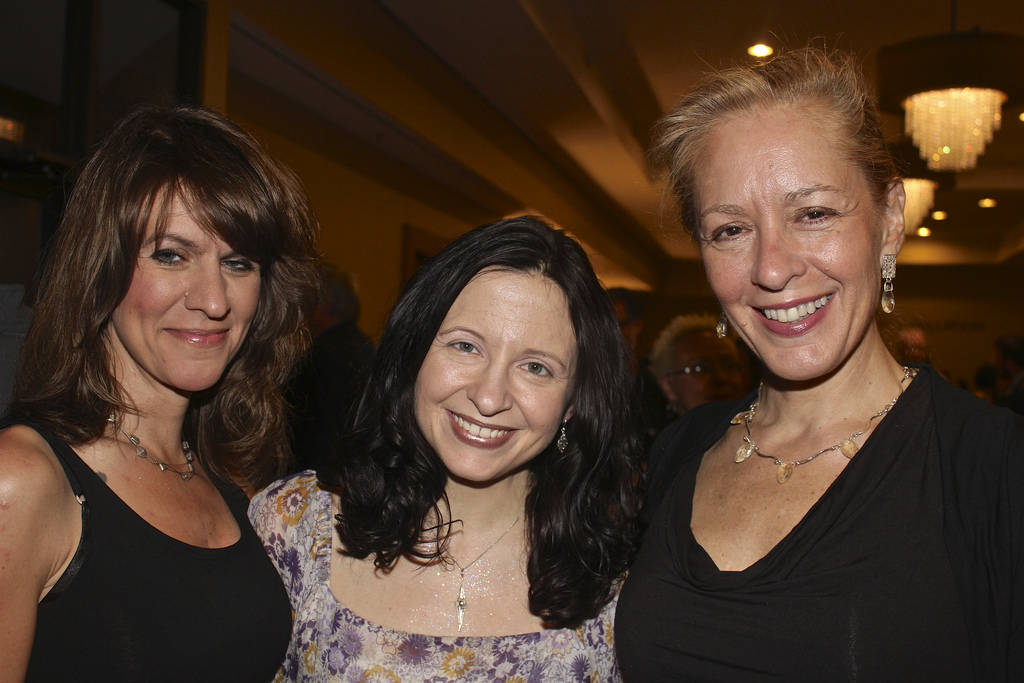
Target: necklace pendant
745	451
785	472
848	447
460	604
740	418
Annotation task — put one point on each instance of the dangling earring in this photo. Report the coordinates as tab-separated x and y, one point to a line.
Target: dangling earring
888	273
722	327
563	440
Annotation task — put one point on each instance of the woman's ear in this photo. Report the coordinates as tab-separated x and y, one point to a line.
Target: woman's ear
894	229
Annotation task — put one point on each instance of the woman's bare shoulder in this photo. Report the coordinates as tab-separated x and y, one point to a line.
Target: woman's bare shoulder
36	496
40	523
28	466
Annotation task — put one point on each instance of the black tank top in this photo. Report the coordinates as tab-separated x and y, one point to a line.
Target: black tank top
138	605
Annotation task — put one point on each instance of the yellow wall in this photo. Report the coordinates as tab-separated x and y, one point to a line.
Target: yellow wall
361	222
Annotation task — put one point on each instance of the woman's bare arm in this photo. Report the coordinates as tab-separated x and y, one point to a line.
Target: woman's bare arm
40	527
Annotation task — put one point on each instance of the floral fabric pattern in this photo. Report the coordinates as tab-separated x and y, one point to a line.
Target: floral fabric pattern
332	644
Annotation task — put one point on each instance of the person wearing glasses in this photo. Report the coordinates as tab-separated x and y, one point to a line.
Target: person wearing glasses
694	366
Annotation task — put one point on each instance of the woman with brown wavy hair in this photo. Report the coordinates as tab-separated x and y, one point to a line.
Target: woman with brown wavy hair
172	309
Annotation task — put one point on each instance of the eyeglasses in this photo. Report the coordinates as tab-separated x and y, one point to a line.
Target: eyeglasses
704	366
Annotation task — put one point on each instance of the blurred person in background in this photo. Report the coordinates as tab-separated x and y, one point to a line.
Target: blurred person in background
654	406
912	346
694	366
331	378
1010	377
986	379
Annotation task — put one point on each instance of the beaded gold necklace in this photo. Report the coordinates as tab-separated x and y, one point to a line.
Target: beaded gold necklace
847	446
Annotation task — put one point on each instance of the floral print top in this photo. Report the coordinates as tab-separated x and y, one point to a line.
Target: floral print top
330	643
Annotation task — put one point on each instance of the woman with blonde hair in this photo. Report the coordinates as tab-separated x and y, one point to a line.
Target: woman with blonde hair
854	518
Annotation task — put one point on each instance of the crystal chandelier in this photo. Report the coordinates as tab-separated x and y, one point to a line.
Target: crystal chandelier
951	127
920	199
952	88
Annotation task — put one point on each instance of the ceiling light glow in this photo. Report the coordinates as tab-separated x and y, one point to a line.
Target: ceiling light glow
952	88
986	203
939	215
952	126
920	198
924	232
759	50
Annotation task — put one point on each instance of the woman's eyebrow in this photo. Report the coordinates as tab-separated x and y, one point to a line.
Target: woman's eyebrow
796	195
728	209
171	237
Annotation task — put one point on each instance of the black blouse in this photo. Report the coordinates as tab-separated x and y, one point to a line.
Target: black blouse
868	586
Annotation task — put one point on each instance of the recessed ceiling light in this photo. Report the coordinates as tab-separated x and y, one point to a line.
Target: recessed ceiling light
759	50
924	232
938	215
986	203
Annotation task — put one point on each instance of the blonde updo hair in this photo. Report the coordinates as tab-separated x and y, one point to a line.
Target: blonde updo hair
831	84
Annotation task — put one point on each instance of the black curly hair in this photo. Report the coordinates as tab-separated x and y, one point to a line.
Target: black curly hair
582	509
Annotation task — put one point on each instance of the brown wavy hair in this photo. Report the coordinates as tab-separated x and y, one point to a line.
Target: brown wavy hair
232	189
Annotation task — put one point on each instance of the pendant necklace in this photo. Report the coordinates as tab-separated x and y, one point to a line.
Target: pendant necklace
144	454
460	602
847	446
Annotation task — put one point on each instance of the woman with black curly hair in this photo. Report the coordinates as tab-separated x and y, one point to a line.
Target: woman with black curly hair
485	498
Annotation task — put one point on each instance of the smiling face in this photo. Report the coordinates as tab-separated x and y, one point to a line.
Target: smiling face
792	242
187	311
494	386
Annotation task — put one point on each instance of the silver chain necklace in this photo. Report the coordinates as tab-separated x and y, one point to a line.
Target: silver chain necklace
460	602
164	467
847	446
